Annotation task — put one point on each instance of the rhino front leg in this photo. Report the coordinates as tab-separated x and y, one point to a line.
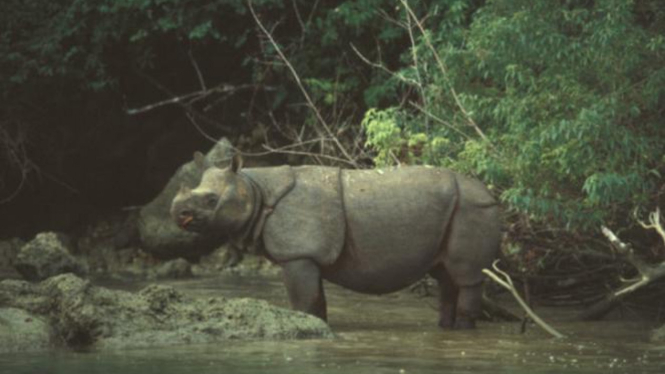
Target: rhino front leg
303	282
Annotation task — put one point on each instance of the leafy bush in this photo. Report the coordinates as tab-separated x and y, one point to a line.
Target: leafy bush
567	96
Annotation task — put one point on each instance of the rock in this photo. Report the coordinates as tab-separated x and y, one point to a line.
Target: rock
81	315
47	255
8	251
157	231
22	331
174	269
254	265
226	259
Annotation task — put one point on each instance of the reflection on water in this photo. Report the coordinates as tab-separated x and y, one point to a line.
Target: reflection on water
389	334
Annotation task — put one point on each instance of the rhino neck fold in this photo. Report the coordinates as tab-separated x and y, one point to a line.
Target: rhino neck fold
250	232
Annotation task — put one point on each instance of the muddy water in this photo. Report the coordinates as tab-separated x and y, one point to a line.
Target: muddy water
388	334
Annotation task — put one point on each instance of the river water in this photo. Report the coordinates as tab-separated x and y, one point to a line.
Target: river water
394	334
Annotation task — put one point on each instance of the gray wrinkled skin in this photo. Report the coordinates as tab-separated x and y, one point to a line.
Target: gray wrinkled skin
372	231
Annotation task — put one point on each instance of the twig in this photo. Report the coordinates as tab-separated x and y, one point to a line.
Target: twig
507	283
654	223
16	154
310	154
444	72
296	77
197	69
300	21
193	96
199	129
438	119
382	67
416	67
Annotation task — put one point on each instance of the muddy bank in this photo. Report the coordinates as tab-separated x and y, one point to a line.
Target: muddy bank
67	311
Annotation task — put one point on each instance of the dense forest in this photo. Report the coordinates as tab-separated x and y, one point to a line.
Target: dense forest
558	106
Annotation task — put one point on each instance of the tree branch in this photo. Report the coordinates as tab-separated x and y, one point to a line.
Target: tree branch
507	283
444	72
648	272
188	99
349	159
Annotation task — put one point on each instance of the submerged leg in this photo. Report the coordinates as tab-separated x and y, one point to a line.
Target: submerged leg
448	296
468	306
303	284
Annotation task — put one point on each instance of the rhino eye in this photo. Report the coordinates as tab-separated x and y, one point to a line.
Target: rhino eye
211	201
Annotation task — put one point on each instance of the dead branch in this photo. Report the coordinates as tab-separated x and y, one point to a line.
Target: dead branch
382	67
444	72
654	223
438	119
648	273
310	154
14	152
195	65
190	98
507	283
326	128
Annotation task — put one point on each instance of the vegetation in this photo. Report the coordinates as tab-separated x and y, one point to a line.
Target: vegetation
556	105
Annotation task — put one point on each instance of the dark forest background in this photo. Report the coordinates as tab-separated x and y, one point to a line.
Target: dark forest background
558	106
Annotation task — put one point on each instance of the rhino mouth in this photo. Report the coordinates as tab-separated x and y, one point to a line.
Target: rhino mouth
190	222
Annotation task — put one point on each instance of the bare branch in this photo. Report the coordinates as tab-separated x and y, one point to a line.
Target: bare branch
383	67
300	21
444	72
13	147
648	273
438	119
296	77
192	97
197	69
507	283
199	129
654	223
310	154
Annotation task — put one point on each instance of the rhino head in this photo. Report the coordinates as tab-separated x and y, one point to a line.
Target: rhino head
223	203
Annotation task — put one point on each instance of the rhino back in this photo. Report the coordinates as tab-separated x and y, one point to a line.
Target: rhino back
396	222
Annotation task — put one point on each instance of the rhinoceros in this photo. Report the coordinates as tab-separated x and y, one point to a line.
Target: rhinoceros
372	231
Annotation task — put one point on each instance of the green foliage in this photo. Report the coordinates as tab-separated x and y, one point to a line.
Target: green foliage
72	39
383	134
569	95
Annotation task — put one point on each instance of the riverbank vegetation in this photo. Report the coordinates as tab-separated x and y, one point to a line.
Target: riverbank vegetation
557	106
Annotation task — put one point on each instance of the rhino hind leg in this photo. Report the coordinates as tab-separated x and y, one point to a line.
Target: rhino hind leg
302	278
458	306
448	294
468	306
472	243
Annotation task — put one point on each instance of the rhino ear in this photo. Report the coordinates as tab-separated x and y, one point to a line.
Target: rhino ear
200	160
236	163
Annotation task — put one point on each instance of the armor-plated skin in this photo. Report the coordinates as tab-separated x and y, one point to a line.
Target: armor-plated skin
372	231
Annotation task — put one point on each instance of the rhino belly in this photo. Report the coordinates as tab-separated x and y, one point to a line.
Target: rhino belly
396	223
